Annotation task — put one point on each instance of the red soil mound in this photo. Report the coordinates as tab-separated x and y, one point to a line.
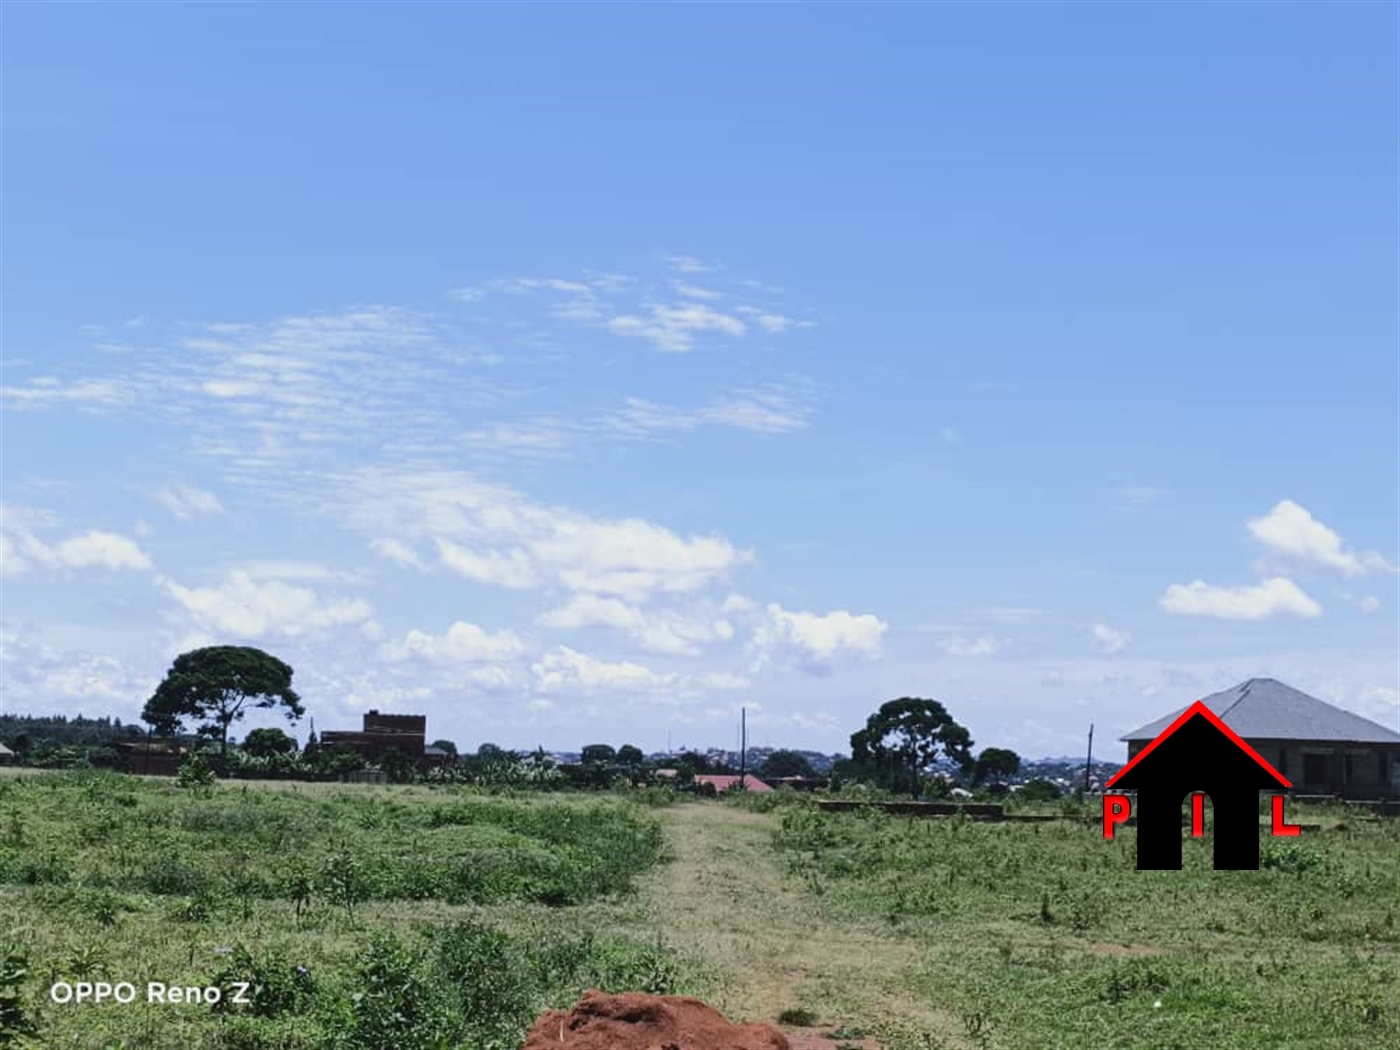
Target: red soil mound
647	1022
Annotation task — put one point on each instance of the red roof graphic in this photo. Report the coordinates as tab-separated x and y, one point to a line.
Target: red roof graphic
1199	708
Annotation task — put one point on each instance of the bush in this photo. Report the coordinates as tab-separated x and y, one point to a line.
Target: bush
195	773
398	1005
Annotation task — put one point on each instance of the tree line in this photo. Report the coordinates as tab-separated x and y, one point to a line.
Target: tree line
911	745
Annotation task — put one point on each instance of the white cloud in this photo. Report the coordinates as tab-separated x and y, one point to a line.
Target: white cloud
691	291
775	323
248	608
983	645
1109	639
45	391
397	551
510	569
688	264
461	643
814	642
774	409
21	550
1289	533
673	328
565	669
666	632
186	501
536	439
491	534
1367	603
1277	596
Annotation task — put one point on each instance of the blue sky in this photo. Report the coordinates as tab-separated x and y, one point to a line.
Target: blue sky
576	373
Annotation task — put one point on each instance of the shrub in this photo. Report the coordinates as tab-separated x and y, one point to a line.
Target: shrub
397	1005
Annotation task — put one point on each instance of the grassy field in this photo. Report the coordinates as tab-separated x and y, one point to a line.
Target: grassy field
363	914
436	917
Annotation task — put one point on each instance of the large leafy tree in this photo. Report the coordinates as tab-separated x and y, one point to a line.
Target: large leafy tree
996	763
598	753
215	686
264	743
783	763
906	736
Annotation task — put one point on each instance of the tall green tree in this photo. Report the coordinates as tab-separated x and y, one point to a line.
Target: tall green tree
598	753
264	743
630	755
783	763
906	736
215	686
995	763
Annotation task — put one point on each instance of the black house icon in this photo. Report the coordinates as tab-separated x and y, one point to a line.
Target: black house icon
1198	752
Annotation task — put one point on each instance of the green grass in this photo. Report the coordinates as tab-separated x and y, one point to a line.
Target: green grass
1045	935
363	916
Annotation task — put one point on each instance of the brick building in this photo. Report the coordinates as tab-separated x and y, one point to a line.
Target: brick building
406	734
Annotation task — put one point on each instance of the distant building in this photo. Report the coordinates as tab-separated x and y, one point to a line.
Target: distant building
6	755
1321	749
382	734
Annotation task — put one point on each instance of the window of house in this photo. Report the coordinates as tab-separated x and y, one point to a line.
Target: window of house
1314	769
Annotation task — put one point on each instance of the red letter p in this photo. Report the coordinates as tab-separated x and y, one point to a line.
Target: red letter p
1115	811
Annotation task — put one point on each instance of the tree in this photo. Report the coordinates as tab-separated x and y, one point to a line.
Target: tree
904	738
598	753
216	685
264	743
445	745
996	763
785	764
630	755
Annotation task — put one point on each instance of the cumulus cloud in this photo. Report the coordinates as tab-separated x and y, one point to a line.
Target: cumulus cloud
21	551
462	642
1290	534
493	535
186	502
665	631
1109	639
814	642
512	569
1277	596
565	669
245	607
983	645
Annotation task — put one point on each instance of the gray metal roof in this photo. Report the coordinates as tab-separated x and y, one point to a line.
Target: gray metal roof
1266	709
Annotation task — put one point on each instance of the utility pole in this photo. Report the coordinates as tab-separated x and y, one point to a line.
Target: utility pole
1089	762
743	747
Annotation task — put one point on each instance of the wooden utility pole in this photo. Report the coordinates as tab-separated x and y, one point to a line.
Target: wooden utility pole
743	747
1089	762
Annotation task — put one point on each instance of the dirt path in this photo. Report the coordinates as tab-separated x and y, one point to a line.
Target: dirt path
726	899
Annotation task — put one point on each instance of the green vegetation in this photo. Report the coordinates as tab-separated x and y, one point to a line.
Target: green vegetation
360	916
215	686
1046	935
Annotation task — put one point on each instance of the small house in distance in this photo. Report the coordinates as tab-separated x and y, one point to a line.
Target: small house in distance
1321	749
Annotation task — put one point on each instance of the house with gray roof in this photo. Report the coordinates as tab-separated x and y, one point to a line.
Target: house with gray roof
1322	749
